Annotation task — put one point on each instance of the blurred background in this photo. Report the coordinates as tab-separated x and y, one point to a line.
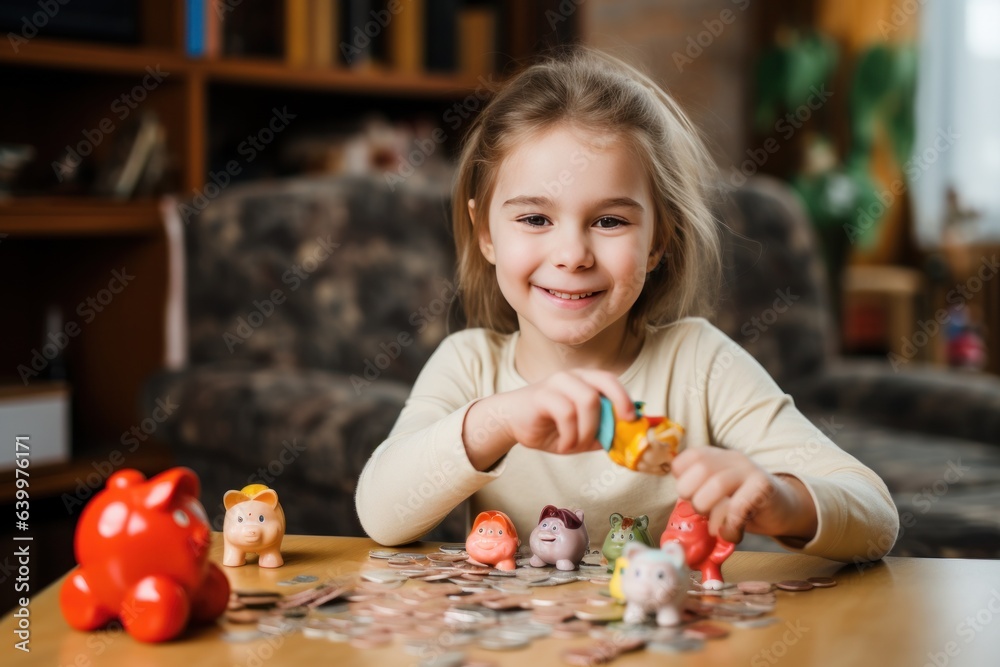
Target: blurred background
224	231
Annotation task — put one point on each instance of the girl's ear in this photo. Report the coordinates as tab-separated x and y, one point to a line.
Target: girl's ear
654	259
485	242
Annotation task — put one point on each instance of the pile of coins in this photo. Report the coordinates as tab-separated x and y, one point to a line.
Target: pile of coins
453	604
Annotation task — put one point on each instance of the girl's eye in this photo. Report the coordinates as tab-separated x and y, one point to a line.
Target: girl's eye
240	519
499	532
262	518
631	536
533	220
609	223
480	531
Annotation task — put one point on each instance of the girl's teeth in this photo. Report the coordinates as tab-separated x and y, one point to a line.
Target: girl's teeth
566	295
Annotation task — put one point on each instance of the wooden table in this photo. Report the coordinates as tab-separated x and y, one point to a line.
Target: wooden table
903	611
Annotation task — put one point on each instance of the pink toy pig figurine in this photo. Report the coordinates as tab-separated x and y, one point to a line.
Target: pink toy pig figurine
493	540
703	551
654	581
255	523
559	539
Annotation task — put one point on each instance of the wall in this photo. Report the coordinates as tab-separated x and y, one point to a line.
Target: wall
699	50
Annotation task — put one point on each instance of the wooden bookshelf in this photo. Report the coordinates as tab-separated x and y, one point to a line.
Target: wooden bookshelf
59	245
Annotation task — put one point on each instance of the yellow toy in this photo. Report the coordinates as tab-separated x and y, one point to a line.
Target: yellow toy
645	444
615	587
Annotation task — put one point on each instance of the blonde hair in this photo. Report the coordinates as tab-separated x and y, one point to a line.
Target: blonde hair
589	89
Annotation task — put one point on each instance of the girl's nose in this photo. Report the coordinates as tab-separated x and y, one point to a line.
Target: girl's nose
571	250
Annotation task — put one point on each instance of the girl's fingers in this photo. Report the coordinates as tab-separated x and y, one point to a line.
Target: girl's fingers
691	457
563	415
750	498
609	385
587	404
696	470
717	517
717	487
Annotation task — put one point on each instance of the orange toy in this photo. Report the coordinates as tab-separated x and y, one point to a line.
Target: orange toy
493	540
645	444
142	549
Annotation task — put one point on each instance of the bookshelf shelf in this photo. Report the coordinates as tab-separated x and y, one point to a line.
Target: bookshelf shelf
370	80
245	71
79	56
28	217
53	479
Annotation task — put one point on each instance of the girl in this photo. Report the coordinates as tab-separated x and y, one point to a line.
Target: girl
587	256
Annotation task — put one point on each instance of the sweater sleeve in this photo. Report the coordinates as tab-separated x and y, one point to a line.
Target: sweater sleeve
422	472
747	411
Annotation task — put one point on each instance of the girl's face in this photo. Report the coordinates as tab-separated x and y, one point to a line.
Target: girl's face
571	227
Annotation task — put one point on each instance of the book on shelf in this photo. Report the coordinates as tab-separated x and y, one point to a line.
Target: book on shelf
477	30
406	37
441	45
325	30
363	33
194	27
116	21
214	10
134	155
253	28
297	39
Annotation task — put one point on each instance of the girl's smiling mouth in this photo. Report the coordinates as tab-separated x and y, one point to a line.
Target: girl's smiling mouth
569	299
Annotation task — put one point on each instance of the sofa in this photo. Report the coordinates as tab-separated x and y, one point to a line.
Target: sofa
312	304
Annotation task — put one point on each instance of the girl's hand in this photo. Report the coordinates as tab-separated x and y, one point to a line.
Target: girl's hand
738	495
559	414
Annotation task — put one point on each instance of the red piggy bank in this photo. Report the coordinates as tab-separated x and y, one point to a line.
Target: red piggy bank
701	550
142	549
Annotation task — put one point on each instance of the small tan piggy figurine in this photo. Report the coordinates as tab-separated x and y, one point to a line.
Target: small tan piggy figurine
255	523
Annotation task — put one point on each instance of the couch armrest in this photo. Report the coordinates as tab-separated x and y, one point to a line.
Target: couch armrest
309	425
916	398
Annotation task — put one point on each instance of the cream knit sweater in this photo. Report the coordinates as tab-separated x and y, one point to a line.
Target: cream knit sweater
689	371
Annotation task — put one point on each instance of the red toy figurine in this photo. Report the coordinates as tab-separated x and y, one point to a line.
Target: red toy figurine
142	549
702	551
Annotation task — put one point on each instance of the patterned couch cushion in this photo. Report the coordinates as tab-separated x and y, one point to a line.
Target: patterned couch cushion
329	273
774	299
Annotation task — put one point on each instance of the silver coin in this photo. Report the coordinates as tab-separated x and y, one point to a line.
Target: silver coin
240	636
551	581
453	548
412	556
676	645
497	643
470	613
756	622
450	659
381	554
383	576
